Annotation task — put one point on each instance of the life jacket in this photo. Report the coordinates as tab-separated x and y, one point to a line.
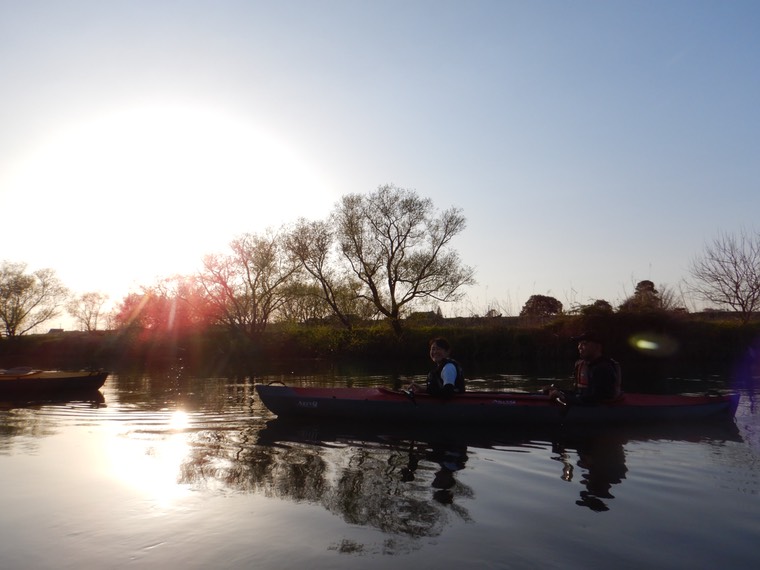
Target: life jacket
435	382
584	374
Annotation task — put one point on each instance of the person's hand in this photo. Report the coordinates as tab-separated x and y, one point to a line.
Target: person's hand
557	396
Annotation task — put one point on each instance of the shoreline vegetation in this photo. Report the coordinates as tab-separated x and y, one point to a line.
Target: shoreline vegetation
650	347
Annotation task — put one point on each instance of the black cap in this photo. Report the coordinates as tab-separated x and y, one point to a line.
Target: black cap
590	336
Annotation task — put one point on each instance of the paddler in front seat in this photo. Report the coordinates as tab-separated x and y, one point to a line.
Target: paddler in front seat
597	377
446	378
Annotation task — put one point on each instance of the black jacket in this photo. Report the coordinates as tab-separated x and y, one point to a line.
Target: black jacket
435	385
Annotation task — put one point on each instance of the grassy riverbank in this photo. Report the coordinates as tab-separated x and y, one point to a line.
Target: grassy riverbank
647	345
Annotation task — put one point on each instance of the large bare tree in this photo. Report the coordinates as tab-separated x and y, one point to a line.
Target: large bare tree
313	244
397	246
28	299
248	286
727	273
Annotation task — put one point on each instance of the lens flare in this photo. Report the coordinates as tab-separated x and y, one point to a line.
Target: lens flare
643	344
654	344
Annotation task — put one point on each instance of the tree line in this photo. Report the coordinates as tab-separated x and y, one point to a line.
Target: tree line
377	256
644	298
726	275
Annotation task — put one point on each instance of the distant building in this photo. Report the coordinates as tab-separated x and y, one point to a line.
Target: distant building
425	317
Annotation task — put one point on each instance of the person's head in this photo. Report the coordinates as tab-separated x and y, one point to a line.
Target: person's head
439	349
590	345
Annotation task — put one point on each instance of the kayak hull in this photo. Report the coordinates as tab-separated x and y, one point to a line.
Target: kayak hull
382	404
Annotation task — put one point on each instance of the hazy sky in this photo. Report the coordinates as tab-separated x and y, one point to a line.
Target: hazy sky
590	144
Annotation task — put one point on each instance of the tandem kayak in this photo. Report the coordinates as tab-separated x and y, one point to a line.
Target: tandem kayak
31	383
383	404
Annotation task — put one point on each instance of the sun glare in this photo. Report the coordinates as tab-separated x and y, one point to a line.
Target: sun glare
151	189
179	421
151	463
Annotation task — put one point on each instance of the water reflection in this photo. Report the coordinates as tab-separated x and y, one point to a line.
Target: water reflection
22	423
92	397
601	455
602	463
408	482
398	483
400	486
149	459
450	457
169	442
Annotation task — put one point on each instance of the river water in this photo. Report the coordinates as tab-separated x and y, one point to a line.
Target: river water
166	471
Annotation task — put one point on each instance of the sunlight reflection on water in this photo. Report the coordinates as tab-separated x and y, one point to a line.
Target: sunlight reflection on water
197	474
149	463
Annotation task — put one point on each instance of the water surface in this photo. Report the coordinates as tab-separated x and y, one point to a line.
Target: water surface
179	472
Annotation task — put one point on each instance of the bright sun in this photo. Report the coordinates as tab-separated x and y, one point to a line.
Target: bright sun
142	192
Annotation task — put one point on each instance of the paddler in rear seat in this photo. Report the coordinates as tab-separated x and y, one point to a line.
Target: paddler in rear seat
446	378
597	377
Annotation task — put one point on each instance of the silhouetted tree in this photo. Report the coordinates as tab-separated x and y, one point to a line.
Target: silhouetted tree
541	306
397	246
248	286
598	307
305	303
644	297
173	304
86	309
313	244
647	298
727	273
28	299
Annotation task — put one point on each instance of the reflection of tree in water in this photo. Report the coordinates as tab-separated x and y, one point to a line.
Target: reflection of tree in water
602	460
23	423
385	484
230	462
450	457
369	491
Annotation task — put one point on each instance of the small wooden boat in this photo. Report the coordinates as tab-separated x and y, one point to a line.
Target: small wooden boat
28	382
472	408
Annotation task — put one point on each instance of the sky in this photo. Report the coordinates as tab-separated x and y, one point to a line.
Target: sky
589	144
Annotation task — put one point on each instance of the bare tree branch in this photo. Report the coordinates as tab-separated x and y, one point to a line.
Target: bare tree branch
728	272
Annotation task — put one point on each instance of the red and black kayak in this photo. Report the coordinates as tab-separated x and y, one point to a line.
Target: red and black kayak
383	404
